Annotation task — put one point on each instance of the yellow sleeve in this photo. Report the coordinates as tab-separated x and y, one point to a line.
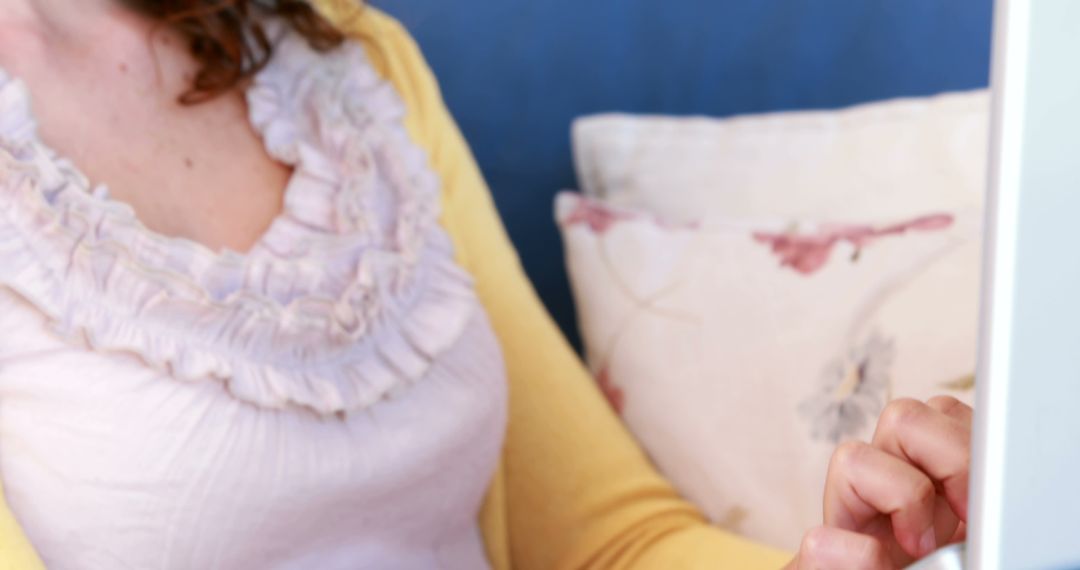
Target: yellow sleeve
573	491
15	551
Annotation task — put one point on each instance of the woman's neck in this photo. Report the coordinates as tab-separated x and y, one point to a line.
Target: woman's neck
58	18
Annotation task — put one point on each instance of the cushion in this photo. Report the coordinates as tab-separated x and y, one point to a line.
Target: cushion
516	72
879	161
740	351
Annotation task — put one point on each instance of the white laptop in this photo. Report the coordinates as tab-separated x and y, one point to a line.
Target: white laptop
1025	481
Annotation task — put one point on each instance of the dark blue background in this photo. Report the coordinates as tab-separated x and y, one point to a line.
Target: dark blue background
515	73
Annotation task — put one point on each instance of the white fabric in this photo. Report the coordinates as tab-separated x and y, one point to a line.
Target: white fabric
879	161
738	375
334	398
733	369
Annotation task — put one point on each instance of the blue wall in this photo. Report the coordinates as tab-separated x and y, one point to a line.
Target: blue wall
516	72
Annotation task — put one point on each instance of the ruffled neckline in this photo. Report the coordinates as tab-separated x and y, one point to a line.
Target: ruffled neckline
351	293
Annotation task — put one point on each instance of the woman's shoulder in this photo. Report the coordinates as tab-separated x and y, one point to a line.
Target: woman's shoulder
395	55
393	51
360	19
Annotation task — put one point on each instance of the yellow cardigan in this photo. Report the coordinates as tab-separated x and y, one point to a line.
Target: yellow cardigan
573	490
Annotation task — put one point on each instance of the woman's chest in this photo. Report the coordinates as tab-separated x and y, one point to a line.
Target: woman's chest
199	172
105	460
333	398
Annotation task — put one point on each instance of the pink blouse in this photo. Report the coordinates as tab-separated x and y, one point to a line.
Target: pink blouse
334	398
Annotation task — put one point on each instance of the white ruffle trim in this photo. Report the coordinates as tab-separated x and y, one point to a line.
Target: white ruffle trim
350	295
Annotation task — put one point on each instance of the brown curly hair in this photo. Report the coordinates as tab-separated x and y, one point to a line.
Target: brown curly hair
227	39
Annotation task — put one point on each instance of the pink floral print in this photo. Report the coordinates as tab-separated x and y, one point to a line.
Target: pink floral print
598	217
808	253
615	396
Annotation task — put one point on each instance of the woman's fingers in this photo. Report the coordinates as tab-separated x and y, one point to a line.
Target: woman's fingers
832	548
952	407
959	535
906	493
935	438
865	483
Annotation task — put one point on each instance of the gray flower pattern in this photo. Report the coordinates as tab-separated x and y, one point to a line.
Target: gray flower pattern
854	389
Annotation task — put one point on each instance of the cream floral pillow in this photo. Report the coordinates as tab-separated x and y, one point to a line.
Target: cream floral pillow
874	161
739	352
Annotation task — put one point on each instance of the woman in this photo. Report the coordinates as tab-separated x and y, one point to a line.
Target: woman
257	311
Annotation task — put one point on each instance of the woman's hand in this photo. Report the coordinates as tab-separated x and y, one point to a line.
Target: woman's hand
898	498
